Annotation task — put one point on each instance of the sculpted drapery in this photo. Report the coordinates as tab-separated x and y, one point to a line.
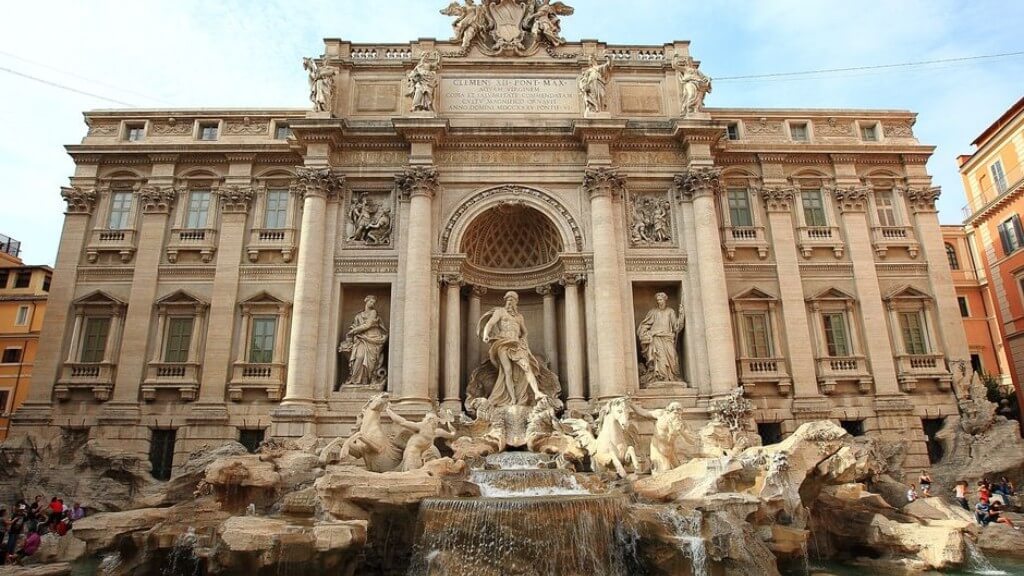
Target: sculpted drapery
657	333
505	330
365	342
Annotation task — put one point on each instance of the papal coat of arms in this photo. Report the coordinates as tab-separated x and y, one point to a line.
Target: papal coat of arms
520	27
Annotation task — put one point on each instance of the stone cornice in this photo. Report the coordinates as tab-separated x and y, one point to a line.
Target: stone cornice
79	201
598	129
603	181
319	182
421	130
417	181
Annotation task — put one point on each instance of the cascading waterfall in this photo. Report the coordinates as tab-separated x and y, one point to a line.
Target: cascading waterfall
977	563
529	522
182	560
687	531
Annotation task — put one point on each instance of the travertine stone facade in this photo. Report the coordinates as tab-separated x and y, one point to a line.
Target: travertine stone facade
213	262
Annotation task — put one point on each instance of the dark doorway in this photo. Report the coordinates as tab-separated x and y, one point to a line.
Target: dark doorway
770	432
161	453
251	439
853	427
931	430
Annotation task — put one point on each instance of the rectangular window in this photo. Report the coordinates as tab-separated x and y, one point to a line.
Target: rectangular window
798	131
277	209
913	333
998	176
120	210
814	208
964	311
885	208
976	364
179	339
251	439
134	132
759	343
739	207
198	209
22	318
837	339
161	453
264	331
94	339
732	131
11	356
4	275
23	279
869	133
282	131
208	131
1011	235
5	398
46	283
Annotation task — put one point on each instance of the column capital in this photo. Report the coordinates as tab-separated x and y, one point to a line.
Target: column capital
603	181
777	198
452	280
417	181
478	291
851	198
572	279
235	199
157	200
546	290
696	182
921	199
319	182
80	201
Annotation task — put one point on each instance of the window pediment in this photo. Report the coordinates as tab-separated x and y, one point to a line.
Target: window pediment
907	293
100	298
832	295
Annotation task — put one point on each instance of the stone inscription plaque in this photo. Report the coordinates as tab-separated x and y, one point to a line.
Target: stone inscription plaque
518	95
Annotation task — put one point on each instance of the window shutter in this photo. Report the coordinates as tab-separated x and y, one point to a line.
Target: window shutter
1017	229
1004	239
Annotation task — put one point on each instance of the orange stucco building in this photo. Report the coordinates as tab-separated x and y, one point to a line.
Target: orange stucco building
994	182
23	292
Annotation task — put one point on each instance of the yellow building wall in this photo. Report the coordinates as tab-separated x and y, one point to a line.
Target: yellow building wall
15	377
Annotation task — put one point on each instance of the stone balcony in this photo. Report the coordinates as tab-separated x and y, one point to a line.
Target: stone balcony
281	240
97	378
833	369
182	378
912	367
886	237
202	240
767	370
811	237
267	378
737	237
120	241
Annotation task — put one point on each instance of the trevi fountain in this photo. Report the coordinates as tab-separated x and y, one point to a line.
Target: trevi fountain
551	379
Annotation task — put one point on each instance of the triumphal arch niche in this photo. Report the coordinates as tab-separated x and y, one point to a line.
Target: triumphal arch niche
488	221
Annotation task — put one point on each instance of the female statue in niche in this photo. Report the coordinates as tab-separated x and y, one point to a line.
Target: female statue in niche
657	333
505	330
592	83
364	343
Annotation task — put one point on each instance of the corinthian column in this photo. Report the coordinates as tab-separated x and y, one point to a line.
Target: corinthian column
472	320
703	184
36	408
314	185
550	327
420	184
575	397
452	341
602	184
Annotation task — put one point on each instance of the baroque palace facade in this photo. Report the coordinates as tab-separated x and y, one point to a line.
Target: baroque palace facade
215	273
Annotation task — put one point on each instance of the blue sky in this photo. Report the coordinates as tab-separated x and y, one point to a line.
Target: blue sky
188	53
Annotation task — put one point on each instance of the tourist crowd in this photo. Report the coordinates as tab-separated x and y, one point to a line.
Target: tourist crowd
994	498
22	529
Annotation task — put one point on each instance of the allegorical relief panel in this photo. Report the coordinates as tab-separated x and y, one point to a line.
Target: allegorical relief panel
650	220
369	220
640	99
377	96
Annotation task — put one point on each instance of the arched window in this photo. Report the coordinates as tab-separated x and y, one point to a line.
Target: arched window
954	263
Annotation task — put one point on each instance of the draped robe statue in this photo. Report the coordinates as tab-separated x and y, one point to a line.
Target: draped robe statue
364	343
657	333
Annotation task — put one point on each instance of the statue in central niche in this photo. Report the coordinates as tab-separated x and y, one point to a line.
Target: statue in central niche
505	331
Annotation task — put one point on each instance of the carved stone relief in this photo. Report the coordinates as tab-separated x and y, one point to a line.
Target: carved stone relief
370	219
507	27
650	220
834	127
